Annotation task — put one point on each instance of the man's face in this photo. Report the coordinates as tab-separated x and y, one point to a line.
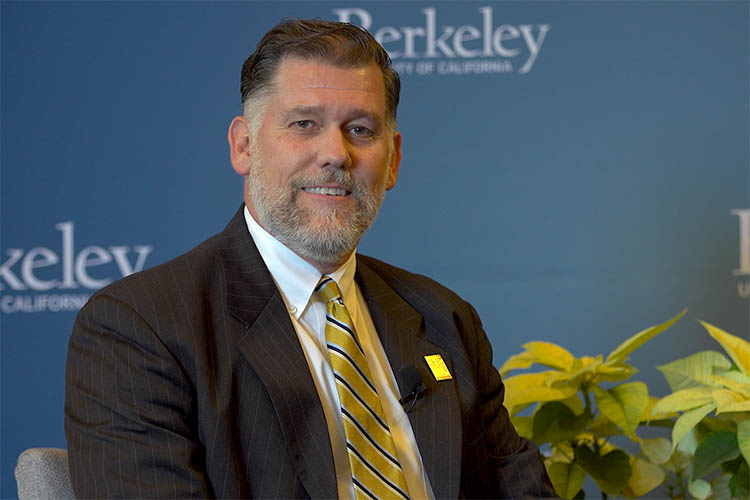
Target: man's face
322	159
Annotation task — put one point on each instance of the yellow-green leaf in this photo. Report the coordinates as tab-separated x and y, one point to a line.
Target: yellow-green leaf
685	449
693	370
563	379
683	400
550	354
633	397
574	403
729	401
621	352
623	404
688	420
738	387
737	348
700	489
588	361
519	361
566	478
737	376
657	450
608	373
524	389
743	437
581	370
562	452
646	476
647	413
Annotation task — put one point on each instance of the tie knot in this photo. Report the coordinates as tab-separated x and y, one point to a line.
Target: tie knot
328	289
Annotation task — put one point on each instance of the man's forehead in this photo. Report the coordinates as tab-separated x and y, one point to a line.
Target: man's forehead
300	73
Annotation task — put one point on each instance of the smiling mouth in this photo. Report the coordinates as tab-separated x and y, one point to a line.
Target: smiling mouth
326	190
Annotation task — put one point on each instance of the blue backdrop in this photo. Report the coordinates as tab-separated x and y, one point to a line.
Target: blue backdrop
570	168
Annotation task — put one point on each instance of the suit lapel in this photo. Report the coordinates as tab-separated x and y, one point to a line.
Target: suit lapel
271	347
435	419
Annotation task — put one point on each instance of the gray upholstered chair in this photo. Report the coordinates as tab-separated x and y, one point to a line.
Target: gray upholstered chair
42	473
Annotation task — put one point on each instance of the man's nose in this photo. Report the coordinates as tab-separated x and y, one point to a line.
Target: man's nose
334	149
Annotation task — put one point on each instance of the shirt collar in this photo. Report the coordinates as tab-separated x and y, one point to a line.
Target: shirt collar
295	278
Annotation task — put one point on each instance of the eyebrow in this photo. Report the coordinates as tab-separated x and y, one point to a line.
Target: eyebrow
319	110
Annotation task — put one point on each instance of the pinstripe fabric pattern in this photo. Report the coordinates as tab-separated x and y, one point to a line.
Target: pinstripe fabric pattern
376	472
187	381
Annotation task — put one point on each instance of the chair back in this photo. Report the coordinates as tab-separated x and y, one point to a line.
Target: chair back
42	473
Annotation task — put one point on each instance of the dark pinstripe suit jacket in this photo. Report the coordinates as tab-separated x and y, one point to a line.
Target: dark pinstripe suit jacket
187	380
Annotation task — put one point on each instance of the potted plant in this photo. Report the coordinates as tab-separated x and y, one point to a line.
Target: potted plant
575	407
711	453
577	411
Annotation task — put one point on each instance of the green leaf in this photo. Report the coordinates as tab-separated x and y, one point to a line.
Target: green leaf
700	489
710	424
549	422
737	348
688	420
566	478
718	447
555	422
646	476
523	425
621	352
657	450
623	404
681	463
603	427
546	423
611	471
732	466
739	485
693	370
743	437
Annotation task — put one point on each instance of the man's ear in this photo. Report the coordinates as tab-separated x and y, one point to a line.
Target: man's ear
239	145
395	161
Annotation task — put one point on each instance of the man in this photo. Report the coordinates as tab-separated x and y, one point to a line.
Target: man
272	361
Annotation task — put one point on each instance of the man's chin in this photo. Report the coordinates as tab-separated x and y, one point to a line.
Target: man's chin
327	245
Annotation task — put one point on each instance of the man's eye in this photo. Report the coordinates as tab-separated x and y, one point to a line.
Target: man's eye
360	130
303	124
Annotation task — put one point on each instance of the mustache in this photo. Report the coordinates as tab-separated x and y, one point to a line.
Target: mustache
342	177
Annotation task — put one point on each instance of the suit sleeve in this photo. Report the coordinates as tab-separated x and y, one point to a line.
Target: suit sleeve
129	410
515	466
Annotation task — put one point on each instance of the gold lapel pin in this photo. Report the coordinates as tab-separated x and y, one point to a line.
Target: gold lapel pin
438	367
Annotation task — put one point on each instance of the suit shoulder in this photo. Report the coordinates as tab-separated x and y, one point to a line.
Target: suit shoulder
409	284
182	273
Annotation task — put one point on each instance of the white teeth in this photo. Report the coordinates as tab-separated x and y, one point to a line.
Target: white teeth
326	190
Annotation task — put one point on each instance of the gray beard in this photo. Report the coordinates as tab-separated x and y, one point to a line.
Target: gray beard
327	237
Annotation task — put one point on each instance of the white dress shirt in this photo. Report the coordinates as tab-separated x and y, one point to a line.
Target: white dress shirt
296	279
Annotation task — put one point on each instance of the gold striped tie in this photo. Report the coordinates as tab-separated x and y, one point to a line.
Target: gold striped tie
376	472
